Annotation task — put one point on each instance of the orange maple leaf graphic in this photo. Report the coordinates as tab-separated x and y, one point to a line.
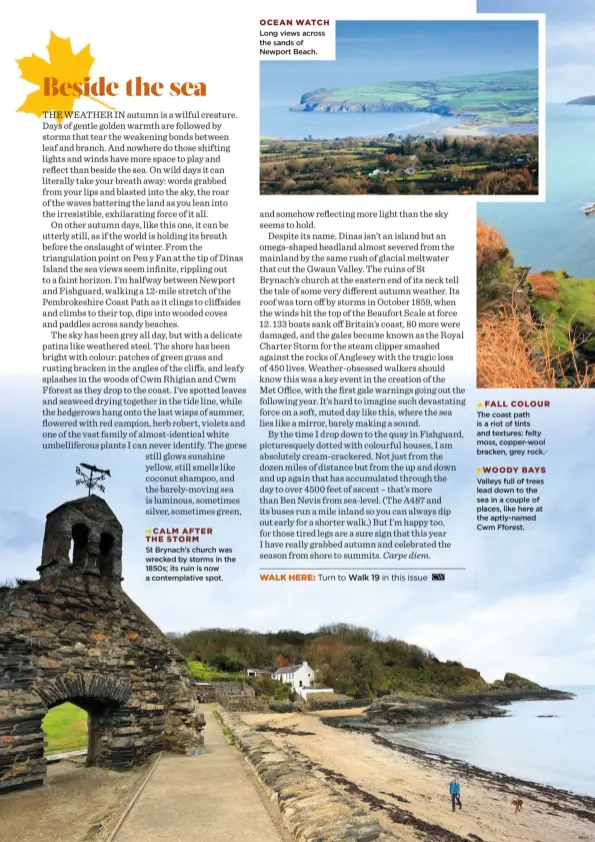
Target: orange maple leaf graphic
64	66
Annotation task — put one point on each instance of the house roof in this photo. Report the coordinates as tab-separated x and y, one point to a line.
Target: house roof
287	670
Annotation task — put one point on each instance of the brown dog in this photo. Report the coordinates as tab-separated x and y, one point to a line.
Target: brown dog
517	804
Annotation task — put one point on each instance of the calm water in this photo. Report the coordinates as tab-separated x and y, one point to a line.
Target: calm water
556	235
279	121
559	752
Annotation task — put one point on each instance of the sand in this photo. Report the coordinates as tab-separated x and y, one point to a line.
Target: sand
371	773
486	130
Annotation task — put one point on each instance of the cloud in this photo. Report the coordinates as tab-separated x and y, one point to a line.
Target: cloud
573	37
570	43
547	637
18	530
569	81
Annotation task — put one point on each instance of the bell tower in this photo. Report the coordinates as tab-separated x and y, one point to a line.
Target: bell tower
83	538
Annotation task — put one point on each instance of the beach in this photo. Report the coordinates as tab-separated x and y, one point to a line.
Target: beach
463	129
407	789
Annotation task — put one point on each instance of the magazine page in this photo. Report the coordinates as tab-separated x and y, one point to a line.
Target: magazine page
297	347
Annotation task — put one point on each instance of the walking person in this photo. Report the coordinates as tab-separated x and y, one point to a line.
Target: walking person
455	793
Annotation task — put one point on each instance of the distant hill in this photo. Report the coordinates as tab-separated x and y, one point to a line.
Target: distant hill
350	659
582	100
492	98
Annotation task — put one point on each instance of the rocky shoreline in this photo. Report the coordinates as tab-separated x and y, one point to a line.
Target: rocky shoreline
561	800
405	789
404	710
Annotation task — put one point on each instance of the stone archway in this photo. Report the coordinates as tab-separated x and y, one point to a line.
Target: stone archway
99	696
74	635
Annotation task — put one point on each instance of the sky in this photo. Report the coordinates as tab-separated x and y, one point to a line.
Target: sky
381	51
570	39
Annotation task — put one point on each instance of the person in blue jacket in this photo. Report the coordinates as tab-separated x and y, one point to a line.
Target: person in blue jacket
455	794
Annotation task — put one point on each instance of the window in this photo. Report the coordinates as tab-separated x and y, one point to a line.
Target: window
80	543
106	554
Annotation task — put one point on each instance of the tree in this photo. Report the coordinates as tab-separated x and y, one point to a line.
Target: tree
341	186
506	182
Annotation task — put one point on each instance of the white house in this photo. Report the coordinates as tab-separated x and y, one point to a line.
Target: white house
299	676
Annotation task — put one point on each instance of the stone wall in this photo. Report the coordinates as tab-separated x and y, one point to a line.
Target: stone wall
232	688
74	635
322	703
245	704
310	807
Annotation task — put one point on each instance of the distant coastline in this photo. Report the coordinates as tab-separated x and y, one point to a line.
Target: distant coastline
491	99
582	100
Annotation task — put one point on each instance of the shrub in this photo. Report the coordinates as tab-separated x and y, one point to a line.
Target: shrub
514	352
490	245
544	285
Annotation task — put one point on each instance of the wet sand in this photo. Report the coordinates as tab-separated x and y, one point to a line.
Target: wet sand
407	789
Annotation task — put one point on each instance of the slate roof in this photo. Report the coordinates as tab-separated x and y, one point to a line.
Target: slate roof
287	670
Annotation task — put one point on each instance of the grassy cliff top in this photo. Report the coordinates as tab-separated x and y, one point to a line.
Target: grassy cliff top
496	97
568	304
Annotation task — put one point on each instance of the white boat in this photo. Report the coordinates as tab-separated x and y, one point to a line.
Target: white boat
589	209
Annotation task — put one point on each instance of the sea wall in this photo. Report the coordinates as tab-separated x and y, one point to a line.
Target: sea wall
311	809
245	704
336	704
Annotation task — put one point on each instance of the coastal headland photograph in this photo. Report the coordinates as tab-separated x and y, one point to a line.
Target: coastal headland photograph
536	267
408	107
459	716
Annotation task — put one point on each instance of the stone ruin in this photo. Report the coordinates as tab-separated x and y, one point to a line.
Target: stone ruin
74	635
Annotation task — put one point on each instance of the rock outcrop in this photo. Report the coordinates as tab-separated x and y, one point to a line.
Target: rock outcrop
401	710
74	635
515	688
405	710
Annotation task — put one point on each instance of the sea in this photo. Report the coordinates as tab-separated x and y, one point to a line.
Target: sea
556	234
279	121
556	751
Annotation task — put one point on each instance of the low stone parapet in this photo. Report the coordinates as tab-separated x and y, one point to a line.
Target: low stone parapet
244	704
311	808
